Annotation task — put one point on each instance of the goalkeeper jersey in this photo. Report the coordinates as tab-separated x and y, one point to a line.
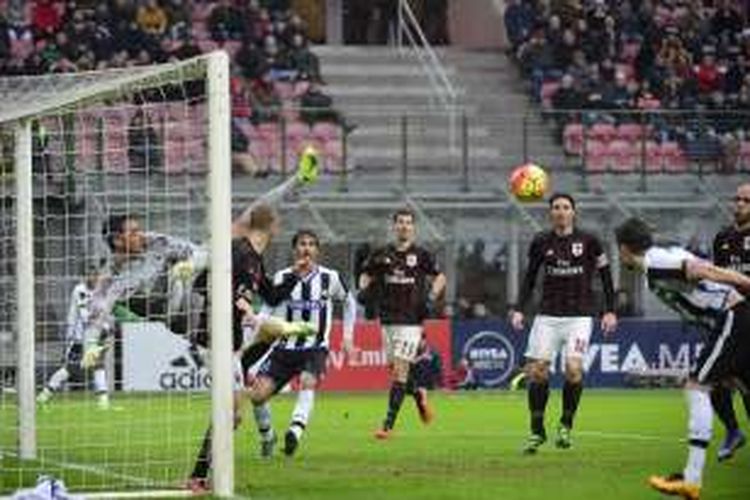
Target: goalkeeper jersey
143	276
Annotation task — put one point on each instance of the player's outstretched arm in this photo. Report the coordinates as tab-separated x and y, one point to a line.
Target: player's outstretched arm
701	269
307	174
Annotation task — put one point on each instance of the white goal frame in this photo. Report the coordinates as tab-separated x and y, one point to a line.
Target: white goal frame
215	68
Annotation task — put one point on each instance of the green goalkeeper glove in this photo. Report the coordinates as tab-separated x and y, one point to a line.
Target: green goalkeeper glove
183	270
92	355
308	166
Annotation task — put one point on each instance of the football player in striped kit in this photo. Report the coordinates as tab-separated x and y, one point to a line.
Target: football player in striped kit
77	343
708	296
732	249
311	300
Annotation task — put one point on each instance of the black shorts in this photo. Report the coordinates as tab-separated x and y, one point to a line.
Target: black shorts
285	364
73	355
726	354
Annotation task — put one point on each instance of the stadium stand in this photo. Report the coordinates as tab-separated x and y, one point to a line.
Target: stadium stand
604	68
273	66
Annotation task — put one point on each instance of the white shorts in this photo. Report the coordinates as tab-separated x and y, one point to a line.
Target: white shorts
550	334
401	341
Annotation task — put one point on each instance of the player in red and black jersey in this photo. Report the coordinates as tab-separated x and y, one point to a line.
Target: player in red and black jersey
401	279
732	249
253	333
569	258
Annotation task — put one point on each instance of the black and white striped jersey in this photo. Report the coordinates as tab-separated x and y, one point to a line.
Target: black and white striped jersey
312	300
702	302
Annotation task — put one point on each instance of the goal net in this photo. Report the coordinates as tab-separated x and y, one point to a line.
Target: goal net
114	203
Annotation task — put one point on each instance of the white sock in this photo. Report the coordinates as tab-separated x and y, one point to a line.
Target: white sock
302	411
58	379
262	415
699	433
100	381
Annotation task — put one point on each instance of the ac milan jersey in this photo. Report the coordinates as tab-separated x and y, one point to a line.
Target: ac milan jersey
568	263
732	249
401	279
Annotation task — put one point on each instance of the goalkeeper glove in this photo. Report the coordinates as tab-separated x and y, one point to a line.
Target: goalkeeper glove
92	355
183	270
308	166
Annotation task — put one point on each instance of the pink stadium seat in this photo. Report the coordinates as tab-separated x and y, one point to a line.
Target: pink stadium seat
201	11
548	91
654	158
207	45
573	138
674	158
196	154
630	132
232	47
285	90
323	132
269	130
596	157
301	88
333	156
116	122
87	124
297	132
744	156
175	155
623	156
603	132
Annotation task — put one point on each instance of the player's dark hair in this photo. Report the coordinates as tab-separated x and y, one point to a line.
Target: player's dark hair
564	196
635	234
113	226
302	233
404	212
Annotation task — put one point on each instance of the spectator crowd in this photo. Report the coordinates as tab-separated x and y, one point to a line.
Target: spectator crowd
274	72
597	61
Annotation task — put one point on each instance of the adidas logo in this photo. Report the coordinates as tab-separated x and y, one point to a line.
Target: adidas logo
186	373
180	362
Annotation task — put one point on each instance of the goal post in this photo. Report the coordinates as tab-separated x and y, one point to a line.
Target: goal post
154	142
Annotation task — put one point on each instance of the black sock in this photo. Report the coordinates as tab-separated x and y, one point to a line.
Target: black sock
571	395
537	394
203	462
395	398
721	400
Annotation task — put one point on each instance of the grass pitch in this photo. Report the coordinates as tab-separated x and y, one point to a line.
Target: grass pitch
471	451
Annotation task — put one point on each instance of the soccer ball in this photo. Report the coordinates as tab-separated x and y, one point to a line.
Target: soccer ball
528	182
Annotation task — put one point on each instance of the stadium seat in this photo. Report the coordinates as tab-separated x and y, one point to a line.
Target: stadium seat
674	158
175	155
623	156
207	45
630	132
549	89
573	139
654	158
87	131
326	131
116	122
744	155
333	156
596	157
231	47
297	133
603	132
285	90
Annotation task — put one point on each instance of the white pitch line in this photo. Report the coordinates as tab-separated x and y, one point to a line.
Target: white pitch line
99	471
